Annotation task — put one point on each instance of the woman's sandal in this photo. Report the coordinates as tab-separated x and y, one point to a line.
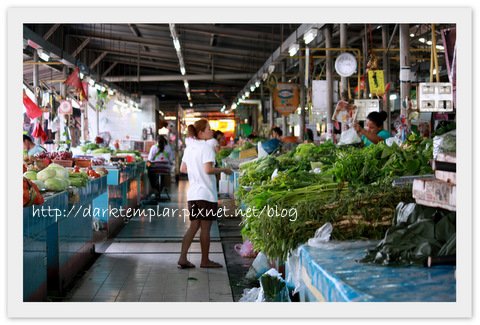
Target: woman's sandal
187	265
211	265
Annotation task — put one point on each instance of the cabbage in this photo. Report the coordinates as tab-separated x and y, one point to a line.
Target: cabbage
60	171
40	184
31	175
46	174
56	184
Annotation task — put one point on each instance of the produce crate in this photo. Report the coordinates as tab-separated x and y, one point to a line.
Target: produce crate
64	163
449	177
435	193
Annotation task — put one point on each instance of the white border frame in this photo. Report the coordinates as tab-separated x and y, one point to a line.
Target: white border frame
460	16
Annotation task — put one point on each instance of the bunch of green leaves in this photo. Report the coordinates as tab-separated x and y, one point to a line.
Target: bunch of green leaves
222	154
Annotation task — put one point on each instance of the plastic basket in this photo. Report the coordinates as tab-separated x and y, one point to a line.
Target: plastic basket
83	163
249	153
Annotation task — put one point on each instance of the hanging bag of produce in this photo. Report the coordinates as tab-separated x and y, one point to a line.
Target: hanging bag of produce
39	133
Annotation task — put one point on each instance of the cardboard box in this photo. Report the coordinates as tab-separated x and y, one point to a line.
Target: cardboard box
435	193
449	177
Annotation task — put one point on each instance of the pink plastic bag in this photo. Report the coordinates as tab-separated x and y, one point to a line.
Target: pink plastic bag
245	249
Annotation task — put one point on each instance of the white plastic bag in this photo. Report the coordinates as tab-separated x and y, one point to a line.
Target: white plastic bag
259	266
260	150
322	235
349	137
250	295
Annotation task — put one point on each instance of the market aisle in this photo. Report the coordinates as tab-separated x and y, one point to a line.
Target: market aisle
140	264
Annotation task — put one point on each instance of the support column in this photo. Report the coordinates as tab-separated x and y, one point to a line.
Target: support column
343	44
386	69
404	68
285	122
36	86
301	71
61	117
329	76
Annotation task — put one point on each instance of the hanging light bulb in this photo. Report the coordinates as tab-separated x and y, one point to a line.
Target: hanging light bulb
257	83
252	88
293	49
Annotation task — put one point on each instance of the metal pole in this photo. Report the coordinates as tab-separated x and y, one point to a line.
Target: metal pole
285	122
386	69
36	92
329	73
301	70
343	44
404	68
61	117
365	61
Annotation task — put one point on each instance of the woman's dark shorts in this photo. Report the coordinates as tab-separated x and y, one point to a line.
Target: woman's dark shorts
202	210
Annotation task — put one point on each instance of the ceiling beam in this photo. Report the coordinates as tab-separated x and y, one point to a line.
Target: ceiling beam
167	44
50	32
180	77
107	71
81	47
98	59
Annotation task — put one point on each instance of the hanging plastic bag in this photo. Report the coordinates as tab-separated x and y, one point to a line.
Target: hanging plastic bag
349	136
32	110
322	235
245	249
39	133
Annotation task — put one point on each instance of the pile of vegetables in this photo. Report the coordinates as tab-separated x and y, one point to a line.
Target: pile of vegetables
54	178
89	147
31	193
353	191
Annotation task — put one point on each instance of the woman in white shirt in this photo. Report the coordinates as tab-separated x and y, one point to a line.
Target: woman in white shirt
198	161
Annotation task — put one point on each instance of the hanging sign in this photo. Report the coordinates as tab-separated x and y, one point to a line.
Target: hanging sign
286	98
376	82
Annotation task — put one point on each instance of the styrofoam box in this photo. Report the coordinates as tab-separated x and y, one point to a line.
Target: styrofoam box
435	193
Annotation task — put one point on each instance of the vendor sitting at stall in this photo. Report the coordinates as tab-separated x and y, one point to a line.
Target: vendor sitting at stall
275	142
373	131
30	147
160	161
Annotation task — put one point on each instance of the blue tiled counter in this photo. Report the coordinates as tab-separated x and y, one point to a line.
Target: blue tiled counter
69	243
123	192
332	274
35	227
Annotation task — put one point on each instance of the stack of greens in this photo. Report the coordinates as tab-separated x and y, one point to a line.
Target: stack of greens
353	192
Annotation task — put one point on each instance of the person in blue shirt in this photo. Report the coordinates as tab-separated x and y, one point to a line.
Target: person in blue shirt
30	148
275	142
373	131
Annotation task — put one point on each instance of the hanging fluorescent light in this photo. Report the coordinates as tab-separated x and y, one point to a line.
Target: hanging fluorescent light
264	76
191	104
183	71
429	42
421	40
185	83
257	83
293	49
271	68
188	96
44	55
234	106
243	97
412	35
440	47
252	88
176	44
247	93
310	35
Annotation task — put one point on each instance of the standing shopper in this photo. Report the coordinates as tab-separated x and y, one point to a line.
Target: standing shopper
160	161
198	161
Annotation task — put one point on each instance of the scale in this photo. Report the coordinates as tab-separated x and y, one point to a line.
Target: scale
346	64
